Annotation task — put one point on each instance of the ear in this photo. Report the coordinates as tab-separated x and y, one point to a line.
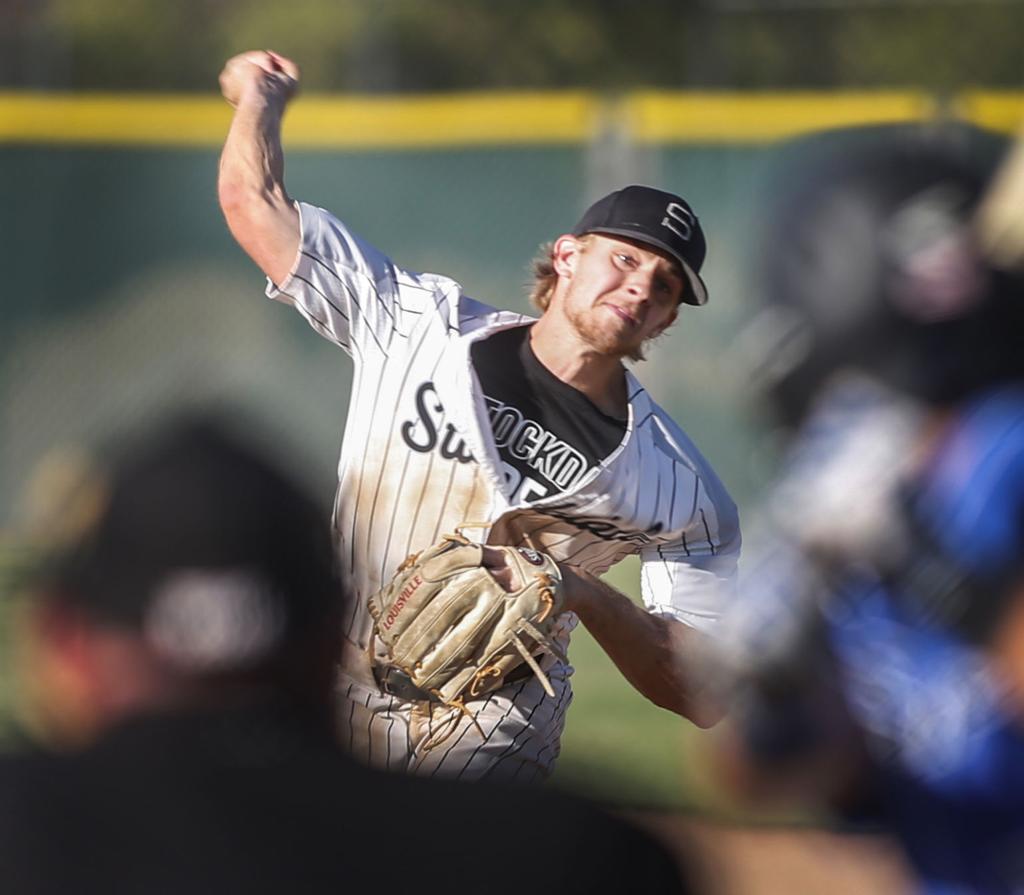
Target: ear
565	255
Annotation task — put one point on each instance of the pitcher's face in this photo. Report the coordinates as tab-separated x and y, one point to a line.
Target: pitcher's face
620	292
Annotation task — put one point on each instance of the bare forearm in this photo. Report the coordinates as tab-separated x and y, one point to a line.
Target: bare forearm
250	184
252	161
649	650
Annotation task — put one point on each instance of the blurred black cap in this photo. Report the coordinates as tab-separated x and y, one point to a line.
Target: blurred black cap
208	549
659	219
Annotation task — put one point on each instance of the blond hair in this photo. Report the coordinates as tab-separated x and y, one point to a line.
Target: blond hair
544	277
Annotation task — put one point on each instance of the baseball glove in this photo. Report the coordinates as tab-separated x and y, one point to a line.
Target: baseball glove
452	632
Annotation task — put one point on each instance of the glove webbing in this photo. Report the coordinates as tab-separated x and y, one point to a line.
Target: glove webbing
480	680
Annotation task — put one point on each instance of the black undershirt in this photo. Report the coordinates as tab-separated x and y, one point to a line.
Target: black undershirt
548	433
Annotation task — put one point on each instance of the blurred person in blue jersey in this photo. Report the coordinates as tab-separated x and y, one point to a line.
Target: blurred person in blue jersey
876	655
187	637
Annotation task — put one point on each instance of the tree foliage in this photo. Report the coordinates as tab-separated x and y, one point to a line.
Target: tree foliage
428	45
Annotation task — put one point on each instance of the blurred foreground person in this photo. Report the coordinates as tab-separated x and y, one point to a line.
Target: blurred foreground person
877	652
193	630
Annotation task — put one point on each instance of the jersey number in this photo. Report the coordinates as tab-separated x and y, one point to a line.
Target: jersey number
524	488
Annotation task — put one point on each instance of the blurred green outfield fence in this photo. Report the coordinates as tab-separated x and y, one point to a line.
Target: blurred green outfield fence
125	296
125	293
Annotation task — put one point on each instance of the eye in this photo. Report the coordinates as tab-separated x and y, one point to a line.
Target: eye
625	259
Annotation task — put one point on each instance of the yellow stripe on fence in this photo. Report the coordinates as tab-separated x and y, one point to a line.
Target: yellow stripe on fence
482	119
996	110
750	118
460	120
112	119
313	122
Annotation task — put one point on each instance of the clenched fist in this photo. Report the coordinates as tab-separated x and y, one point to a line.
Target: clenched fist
259	70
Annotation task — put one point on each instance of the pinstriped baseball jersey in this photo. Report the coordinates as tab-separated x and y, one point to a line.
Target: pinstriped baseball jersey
419	458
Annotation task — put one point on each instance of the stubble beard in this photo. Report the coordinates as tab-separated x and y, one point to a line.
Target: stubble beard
603	342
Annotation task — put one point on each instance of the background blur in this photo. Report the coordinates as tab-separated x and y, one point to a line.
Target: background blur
457	135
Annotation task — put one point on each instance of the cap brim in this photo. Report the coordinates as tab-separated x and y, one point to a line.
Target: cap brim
696	295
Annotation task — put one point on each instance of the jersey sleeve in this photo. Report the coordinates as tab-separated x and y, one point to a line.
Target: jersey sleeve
692	578
350	292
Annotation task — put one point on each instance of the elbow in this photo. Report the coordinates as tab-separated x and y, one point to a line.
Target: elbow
681	682
243	196
699	710
265	225
685	684
237	199
705	714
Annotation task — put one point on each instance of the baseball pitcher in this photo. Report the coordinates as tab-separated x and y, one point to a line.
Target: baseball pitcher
494	466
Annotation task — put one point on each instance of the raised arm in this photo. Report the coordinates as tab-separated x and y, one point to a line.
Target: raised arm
250	184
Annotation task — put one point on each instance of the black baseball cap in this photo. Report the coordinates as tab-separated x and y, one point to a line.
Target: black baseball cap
660	219
206	547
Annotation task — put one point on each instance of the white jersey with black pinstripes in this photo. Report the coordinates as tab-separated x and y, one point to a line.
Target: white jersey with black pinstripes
419	458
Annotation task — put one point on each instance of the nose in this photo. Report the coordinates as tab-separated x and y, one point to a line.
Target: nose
640	284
